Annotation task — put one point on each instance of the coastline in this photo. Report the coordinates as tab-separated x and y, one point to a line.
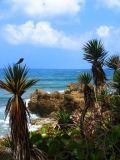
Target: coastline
50	82
5	123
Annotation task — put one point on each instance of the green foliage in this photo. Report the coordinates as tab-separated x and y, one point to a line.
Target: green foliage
113	62
16	79
115	103
5	143
94	51
107	143
104	142
68	145
102	95
116	82
101	140
85	78
112	142
58	144
63	116
115	108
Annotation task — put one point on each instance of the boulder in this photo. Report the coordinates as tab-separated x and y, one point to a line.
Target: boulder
74	87
45	104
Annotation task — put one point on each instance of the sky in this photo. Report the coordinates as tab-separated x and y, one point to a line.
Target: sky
51	33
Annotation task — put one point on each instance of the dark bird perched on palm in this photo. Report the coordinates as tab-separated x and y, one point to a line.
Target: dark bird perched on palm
20	61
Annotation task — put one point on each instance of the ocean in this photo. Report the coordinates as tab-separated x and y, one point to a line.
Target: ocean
49	80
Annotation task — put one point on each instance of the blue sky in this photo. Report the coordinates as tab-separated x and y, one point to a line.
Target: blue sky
51	33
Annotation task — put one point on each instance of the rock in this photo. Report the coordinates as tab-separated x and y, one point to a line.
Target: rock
75	87
43	104
35	96
46	104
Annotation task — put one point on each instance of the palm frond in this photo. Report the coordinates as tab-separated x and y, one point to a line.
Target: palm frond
37	154
16	80
113	62
7	109
94	51
85	78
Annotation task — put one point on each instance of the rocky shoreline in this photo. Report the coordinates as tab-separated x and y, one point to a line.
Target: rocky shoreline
46	104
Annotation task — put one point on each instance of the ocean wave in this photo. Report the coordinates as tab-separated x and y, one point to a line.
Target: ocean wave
34	127
27	101
60	91
4	124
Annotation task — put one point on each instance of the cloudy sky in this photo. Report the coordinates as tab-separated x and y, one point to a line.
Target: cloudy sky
51	33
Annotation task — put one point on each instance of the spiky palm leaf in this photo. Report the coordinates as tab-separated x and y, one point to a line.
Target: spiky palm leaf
16	82
85	78
113	62
94	51
96	54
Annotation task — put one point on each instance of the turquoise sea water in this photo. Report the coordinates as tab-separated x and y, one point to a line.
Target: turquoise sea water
50	80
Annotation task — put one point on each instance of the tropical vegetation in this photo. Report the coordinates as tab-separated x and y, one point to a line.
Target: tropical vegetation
113	62
89	132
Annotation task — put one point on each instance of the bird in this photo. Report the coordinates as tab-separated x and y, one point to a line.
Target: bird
20	61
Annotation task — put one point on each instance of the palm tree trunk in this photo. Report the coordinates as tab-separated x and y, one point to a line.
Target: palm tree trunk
19	130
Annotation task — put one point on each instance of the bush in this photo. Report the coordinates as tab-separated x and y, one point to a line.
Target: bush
64	117
115	108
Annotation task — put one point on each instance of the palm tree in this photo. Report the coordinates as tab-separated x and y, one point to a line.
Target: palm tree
96	54
16	82
113	62
85	79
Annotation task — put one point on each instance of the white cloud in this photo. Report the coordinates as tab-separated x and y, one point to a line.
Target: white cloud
110	35
41	34
110	3
43	8
103	31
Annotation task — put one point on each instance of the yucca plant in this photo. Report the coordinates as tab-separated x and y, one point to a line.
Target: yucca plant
85	79
96	54
113	62
16	82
